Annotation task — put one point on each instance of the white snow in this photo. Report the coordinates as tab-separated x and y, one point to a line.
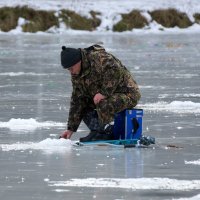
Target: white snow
26	74
28	124
21	22
107	7
180	107
111	10
20	74
197	197
48	145
193	162
60	190
188	95
131	183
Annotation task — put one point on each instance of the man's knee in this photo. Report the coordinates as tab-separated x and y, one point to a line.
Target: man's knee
118	102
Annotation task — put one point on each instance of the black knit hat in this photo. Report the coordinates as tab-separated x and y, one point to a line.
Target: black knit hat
70	56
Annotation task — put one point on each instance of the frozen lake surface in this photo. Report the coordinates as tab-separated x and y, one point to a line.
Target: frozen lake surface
35	94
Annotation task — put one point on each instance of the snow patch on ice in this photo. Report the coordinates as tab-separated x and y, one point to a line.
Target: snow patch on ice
197	197
175	107
28	124
135	184
191	95
193	162
21	74
60	190
48	145
188	95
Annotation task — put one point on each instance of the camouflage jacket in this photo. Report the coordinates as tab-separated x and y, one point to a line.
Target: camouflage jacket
103	73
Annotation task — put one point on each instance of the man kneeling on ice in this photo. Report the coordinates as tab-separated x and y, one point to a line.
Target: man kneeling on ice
102	86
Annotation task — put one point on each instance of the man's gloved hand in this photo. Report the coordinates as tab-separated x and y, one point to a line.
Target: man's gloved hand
66	134
98	97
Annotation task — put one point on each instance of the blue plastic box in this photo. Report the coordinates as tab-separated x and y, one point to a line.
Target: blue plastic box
128	124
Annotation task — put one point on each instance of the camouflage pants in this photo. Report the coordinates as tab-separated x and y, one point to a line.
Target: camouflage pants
105	110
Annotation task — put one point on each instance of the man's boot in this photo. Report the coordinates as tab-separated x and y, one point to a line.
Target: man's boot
89	137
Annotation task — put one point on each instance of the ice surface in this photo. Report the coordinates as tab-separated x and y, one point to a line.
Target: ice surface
174	106
34	104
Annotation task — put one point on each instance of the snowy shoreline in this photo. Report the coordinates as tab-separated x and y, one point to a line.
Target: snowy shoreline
118	6
111	13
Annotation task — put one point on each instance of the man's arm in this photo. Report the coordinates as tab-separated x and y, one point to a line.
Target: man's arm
77	105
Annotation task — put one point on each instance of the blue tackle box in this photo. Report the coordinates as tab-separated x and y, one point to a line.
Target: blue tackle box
128	124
